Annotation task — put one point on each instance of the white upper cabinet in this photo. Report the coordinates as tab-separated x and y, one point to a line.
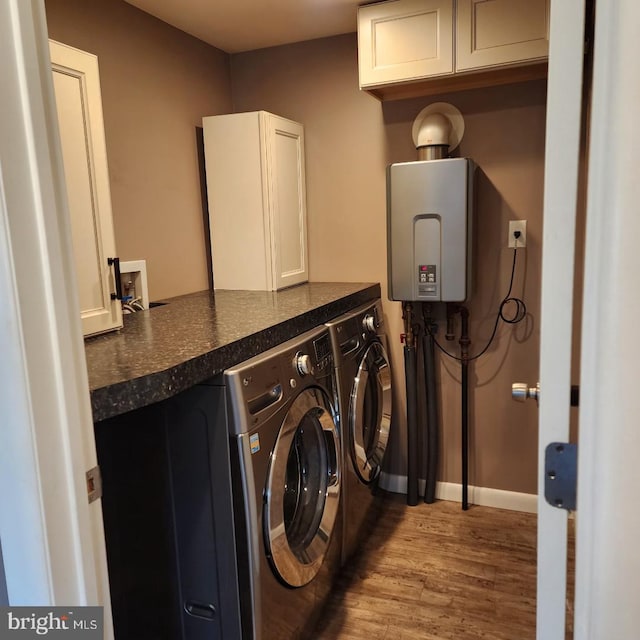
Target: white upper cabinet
76	82
406	39
450	44
257	200
498	32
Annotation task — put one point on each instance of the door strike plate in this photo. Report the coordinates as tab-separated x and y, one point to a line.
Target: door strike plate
561	475
94	484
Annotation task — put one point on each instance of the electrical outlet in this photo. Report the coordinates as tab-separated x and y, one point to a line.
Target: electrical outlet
521	226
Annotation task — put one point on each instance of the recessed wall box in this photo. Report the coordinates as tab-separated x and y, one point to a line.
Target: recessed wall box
429	230
133	275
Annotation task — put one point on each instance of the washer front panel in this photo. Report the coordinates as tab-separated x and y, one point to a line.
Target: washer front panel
370	412
303	489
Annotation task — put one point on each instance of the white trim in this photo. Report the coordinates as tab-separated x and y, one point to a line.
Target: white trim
489	497
480	496
562	151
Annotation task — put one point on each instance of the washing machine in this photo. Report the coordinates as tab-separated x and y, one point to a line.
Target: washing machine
363	376
286	469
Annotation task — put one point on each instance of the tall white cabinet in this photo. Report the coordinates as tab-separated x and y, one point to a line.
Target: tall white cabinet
257	200
76	82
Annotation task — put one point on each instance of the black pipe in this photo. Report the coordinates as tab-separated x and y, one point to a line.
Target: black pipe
451	329
412	425
464	362
429	355
421	404
465	437
412	405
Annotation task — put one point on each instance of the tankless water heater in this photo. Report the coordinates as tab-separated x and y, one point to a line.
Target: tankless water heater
429	230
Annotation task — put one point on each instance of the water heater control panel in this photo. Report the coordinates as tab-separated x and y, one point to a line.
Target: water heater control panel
427	279
429	229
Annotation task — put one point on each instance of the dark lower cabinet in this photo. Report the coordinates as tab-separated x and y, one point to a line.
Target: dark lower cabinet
168	520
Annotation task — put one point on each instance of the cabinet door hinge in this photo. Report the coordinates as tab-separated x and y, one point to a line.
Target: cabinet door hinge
94	484
561	475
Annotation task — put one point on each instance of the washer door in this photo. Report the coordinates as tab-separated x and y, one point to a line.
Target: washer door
370	413
303	489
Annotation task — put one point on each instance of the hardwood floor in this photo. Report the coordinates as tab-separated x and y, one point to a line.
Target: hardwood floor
434	572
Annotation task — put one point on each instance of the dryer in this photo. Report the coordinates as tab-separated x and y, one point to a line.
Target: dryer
286	474
363	377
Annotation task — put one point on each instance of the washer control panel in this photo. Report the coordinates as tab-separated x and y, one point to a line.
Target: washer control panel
323	353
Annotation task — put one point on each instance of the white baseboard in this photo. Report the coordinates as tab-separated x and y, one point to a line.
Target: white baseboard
481	496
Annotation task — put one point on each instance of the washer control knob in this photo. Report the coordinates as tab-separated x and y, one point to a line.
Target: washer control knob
369	323
303	364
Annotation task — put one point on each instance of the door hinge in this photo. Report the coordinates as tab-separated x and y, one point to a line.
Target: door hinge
94	484
561	475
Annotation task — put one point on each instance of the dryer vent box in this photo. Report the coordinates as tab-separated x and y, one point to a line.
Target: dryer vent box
429	230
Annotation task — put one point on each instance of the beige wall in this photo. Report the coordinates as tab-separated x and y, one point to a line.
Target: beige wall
157	83
351	137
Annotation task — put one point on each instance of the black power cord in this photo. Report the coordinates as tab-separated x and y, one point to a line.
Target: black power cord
519	314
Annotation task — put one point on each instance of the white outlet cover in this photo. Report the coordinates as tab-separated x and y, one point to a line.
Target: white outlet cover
521	226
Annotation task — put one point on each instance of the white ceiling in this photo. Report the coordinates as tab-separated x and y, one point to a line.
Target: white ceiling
244	25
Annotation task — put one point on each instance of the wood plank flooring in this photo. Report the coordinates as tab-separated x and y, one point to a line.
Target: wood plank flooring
434	572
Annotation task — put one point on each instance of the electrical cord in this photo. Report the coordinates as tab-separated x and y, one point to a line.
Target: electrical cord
518	316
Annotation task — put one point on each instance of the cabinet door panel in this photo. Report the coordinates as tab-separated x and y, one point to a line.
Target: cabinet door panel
404	40
84	228
498	32
289	207
78	101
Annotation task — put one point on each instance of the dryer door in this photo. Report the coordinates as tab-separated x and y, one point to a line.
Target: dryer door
303	489
370	413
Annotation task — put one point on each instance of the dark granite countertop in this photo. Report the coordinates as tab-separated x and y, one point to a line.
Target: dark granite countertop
168	349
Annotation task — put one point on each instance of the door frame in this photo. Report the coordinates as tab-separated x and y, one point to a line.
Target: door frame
562	157
52	538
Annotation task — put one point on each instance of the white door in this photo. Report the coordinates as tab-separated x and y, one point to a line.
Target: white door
76	81
52	538
608	518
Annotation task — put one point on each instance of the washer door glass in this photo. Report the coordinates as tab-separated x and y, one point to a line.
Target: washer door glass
303	489
370	413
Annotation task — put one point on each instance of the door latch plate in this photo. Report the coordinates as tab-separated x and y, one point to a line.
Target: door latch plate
94	484
561	475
